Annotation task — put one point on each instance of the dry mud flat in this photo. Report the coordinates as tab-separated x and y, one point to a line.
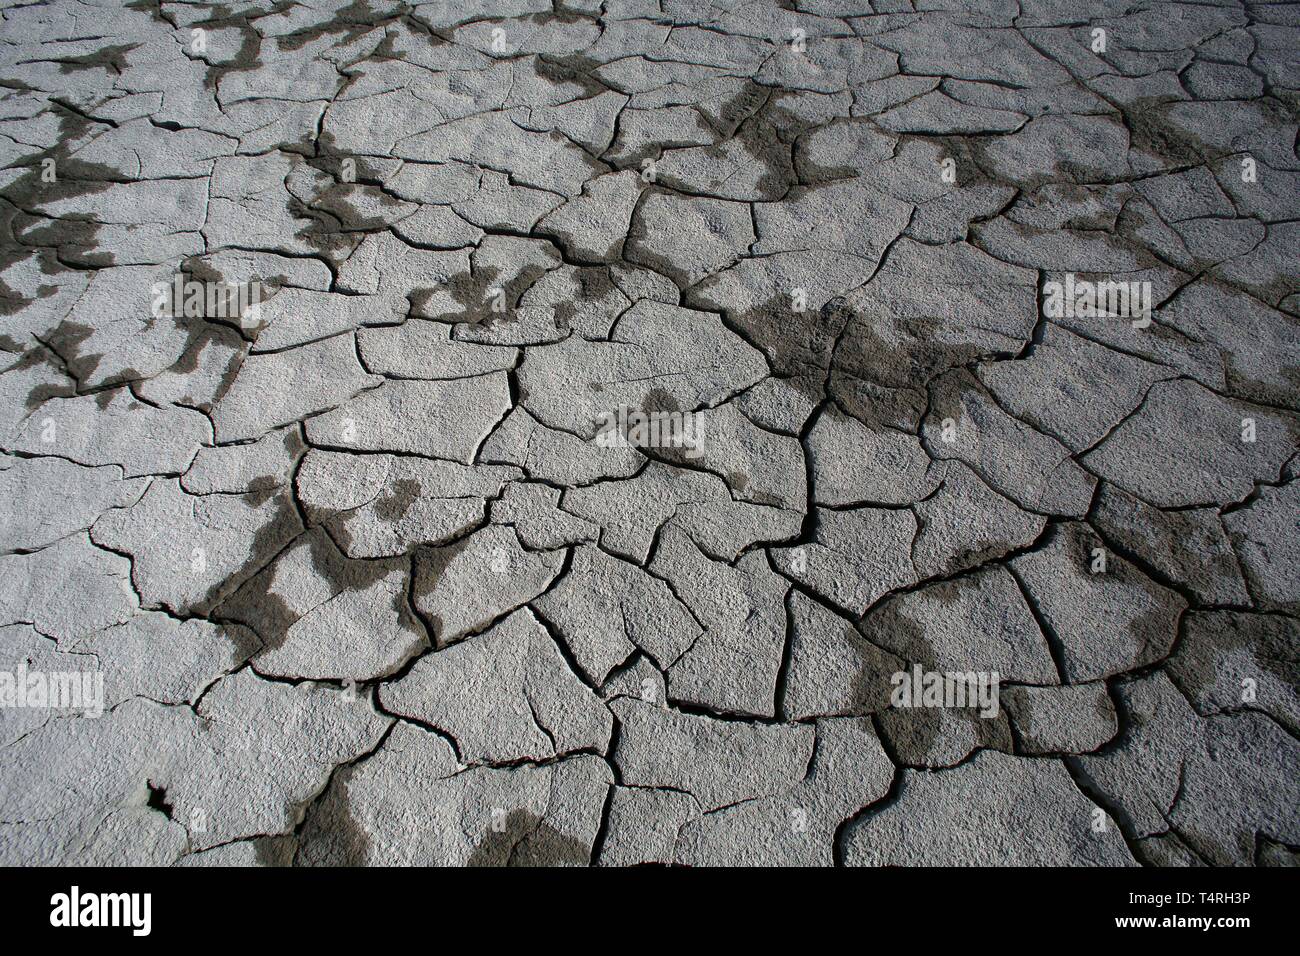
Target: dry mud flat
750	432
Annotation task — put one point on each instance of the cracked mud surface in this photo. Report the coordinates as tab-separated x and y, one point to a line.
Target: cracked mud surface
361	584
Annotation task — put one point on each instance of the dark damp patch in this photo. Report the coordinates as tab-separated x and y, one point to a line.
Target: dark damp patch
792	126
766	135
189	360
918	736
638	253
878	406
473	292
869	692
766	131
335	522
338	201
293	443
73	237
122	376
68	337
219	329
225	297
199	331
562	9
911	364
914	730
1250	389
915	733
737	481
427	567
470	291
430	563
113	57
323	232
151	7
221	17
1151	131
1065	173
284	526
105	398
1270	852
350	23
811	173
246	59
270	616
393	507
1103	221
76	240
660	400
322	154
1016	703
594	284
746	103
622	156
577	249
798	345
973	557
974	165
1129	225
528	840
1156	628
244	640
1266	641
1121	238
331	835
260	490
327	213
911	732
39	394
66	341
761	141
575	69
273	851
598	167
560	14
